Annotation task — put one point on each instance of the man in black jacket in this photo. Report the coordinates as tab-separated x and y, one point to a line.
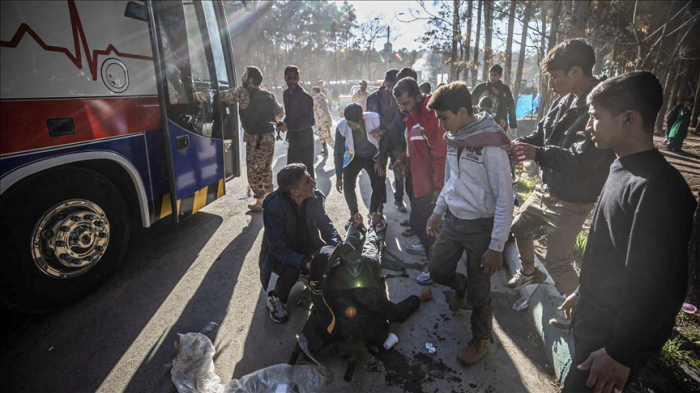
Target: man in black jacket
294	216
573	171
502	104
391	145
299	109
634	271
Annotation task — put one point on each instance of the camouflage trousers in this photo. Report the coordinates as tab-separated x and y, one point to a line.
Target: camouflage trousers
324	134
259	150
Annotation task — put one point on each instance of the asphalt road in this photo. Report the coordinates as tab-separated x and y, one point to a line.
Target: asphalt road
178	278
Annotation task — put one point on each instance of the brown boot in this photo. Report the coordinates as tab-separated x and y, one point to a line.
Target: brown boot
475	350
257	206
457	300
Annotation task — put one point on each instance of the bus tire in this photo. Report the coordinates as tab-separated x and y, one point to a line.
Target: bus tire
64	231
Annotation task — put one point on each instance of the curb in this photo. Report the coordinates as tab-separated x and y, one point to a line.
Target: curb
545	299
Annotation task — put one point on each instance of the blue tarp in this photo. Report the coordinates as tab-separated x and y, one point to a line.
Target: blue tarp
526	105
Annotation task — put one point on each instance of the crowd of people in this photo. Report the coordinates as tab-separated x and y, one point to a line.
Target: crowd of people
452	152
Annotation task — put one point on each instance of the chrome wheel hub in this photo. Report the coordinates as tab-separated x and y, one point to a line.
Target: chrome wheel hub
70	239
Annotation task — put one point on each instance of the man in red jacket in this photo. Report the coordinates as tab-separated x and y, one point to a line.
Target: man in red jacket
426	146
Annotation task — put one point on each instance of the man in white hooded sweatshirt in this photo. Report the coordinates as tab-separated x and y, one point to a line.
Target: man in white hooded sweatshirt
477	203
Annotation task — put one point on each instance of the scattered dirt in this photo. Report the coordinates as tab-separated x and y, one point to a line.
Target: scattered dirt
686	161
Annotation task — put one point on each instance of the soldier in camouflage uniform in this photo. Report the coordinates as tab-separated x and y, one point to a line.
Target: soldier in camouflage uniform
259	111
322	114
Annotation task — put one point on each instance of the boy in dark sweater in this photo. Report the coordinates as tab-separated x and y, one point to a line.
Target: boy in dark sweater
634	271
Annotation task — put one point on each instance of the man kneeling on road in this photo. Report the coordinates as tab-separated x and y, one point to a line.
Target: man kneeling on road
478	202
294	216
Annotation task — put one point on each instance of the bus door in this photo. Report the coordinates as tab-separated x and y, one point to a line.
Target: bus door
191	67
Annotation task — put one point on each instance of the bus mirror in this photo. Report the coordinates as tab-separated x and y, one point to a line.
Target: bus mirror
136	11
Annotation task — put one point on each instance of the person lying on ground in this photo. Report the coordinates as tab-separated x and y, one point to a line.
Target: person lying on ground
351	298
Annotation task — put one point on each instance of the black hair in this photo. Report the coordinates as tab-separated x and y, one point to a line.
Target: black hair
290	175
407	72
639	91
390	76
425	87
408	86
255	73
452	97
486	102
570	53
291	68
353	114
316	89
497	69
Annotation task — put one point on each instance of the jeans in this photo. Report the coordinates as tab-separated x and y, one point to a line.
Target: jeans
421	210
562	221
350	174
288	276
398	176
474	237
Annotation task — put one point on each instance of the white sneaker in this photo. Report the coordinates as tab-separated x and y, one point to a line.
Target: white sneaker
415	249
424	278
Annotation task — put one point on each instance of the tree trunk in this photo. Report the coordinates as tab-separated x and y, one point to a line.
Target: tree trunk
542	89
694	259
578	19
488	33
554	28
676	82
696	108
454	66
475	69
468	40
509	44
665	104
523	48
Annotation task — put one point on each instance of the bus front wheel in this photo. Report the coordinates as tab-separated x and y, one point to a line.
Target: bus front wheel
64	232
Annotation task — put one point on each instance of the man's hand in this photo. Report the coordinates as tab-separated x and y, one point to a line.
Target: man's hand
282	126
399	165
492	261
436	194
377	133
522	151
425	295
433	224
379	168
339	185
502	123
570	305
606	374
308	265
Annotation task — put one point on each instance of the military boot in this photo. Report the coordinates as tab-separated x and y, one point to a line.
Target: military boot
475	350
457	300
257	206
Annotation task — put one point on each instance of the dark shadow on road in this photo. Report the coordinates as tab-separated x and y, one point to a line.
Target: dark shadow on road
323	177
209	303
74	350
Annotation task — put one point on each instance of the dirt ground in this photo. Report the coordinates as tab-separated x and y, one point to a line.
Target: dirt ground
686	161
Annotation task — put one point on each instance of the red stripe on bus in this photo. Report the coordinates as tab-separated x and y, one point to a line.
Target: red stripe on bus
23	123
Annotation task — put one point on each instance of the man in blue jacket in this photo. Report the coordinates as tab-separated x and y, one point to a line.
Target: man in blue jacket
296	226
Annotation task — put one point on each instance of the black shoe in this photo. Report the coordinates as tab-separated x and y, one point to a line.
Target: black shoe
276	308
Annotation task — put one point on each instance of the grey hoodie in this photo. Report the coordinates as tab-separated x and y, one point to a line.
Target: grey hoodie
479	184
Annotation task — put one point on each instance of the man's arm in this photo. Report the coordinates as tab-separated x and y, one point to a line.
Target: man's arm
374	299
655	278
279	109
274	230
498	170
510	105
579	159
325	224
438	152
338	153
237	94
536	138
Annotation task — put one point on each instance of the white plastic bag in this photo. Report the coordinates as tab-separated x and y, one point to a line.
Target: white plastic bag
193	372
